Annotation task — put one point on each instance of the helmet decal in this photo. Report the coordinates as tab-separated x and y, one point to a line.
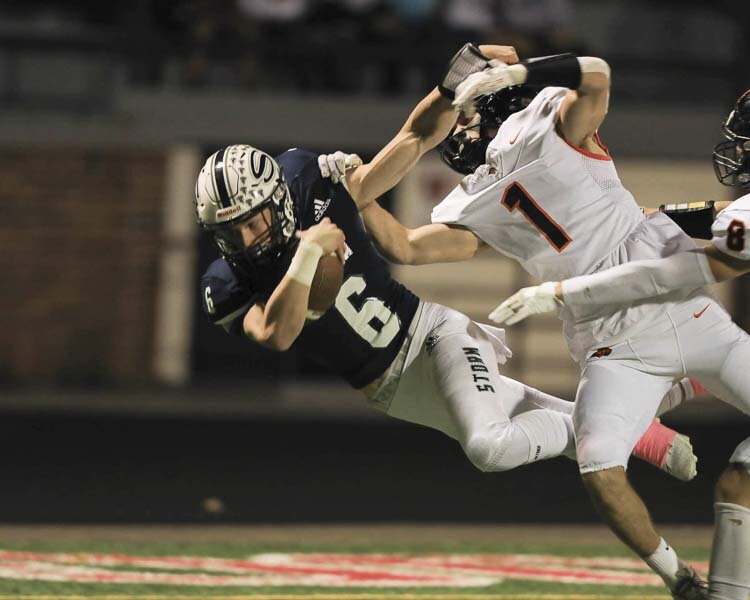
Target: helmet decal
222	193
260	166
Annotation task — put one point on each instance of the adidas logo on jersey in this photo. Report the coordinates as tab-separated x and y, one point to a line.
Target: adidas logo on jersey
320	207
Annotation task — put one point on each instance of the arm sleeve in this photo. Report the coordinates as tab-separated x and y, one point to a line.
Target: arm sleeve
639	280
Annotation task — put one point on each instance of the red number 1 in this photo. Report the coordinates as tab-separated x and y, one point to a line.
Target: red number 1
515	197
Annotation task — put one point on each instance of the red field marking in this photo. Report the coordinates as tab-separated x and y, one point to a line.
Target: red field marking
326	570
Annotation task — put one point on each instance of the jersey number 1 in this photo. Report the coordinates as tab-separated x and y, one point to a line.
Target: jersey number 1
515	197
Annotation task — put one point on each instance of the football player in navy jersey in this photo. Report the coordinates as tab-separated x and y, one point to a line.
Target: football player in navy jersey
272	220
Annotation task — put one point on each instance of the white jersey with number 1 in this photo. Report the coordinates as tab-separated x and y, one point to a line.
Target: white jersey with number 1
561	211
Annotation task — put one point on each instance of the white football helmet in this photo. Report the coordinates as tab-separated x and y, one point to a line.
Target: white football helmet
236	183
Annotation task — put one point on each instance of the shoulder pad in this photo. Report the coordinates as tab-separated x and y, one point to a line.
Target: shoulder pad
223	296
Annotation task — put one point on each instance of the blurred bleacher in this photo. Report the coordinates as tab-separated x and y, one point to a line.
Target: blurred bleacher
108	108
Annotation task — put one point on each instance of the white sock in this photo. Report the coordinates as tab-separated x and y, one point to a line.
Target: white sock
664	563
729	577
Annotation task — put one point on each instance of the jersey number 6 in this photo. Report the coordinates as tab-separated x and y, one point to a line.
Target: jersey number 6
515	197
373	321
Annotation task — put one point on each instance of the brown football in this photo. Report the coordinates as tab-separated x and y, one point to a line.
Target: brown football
326	284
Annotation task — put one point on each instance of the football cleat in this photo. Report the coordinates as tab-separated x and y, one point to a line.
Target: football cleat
681	462
689	584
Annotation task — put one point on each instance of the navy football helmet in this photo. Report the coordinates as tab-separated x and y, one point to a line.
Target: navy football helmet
732	156
464	149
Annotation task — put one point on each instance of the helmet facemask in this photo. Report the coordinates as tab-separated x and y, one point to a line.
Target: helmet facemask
278	214
464	150
732	156
732	162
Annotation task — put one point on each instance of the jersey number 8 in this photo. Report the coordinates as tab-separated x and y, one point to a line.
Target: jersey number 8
736	236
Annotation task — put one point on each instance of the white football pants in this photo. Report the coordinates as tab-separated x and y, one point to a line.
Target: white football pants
449	380
622	386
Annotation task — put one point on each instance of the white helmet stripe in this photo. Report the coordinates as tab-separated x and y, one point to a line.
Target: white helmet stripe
224	198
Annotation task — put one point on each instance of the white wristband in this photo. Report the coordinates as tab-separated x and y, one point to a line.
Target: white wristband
305	262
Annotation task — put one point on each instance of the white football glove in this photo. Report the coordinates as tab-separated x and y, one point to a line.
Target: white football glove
526	302
499	76
337	164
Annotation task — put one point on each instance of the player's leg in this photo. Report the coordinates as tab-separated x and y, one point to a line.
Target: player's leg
729	576
465	371
614	406
717	352
659	446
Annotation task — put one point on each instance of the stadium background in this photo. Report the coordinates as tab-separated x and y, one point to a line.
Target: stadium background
120	403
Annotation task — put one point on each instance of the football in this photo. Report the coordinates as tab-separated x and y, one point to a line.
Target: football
326	284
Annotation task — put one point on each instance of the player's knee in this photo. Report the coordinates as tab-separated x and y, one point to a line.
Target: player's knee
489	451
480	449
733	485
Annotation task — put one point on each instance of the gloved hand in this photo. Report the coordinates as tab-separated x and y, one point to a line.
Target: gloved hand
526	302
337	164
497	77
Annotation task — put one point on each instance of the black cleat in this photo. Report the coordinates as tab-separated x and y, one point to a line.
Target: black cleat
689	585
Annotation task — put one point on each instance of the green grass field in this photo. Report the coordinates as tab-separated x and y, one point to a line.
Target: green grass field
46	562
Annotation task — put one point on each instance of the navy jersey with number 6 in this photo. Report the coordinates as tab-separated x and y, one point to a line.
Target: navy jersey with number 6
361	334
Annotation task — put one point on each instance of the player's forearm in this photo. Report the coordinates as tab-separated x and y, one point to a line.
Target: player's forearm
390	236
639	280
440	243
428	244
283	316
278	324
429	123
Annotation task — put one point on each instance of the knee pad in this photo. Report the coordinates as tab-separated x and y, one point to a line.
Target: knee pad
741	455
494	450
598	452
479	449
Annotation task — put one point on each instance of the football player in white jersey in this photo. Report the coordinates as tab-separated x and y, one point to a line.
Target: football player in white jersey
726	257
546	193
417	361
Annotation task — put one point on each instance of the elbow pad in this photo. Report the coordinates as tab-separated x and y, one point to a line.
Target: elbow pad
694	218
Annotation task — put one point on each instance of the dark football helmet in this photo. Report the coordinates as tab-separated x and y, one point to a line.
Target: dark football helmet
732	156
464	149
